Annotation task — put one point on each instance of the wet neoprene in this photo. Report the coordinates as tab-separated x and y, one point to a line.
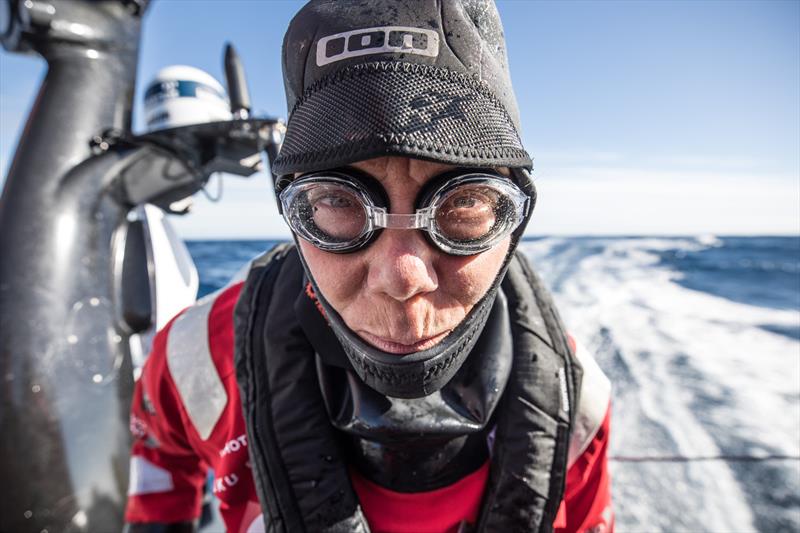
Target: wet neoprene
305	411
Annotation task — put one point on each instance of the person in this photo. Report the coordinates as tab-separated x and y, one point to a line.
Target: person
400	367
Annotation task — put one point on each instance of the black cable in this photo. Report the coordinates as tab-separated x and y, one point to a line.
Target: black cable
702	458
217	197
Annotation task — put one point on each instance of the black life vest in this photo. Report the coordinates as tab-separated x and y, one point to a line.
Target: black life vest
298	457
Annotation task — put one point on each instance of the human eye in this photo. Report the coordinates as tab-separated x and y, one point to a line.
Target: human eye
336	200
335	212
464	202
467	214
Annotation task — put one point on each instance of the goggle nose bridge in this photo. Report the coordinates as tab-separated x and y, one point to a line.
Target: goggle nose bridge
421	219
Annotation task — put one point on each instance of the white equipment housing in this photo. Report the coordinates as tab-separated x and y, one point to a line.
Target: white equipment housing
180	95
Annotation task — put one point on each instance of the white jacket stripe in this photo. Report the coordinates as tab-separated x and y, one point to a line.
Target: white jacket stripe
192	368
148	478
592	406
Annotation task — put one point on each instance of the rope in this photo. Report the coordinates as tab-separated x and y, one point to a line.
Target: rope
702	458
204	188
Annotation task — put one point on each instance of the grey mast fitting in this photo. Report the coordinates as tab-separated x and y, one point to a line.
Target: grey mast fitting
73	281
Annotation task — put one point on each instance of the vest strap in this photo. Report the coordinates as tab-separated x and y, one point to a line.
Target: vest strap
298	463
299	471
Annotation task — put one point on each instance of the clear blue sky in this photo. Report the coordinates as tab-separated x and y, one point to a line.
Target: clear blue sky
669	117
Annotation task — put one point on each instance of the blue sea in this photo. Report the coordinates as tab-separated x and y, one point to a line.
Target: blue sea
701	339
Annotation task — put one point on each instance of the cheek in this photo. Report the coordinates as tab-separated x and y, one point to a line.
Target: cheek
469	278
338	276
463	281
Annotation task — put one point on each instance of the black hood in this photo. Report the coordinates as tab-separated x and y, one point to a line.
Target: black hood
415	78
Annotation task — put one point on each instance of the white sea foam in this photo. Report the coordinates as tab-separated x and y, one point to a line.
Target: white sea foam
694	375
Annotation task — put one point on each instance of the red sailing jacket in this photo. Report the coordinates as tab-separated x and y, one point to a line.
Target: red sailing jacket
186	417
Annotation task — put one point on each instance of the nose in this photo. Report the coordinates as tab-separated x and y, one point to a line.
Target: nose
403	265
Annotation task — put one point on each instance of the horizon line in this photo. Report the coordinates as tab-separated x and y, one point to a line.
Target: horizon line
569	236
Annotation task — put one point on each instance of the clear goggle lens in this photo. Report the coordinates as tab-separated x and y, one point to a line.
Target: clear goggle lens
466	215
329	211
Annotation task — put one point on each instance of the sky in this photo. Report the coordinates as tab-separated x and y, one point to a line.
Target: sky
643	117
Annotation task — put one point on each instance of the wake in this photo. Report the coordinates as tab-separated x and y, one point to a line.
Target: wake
704	387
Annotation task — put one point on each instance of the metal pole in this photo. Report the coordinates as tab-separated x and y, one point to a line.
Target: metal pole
66	384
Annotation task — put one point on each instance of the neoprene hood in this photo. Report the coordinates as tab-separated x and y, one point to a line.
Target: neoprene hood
416	78
413	78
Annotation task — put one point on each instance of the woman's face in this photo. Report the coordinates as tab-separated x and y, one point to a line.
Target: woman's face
401	294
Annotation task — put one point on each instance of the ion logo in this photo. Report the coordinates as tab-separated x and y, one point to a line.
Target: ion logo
396	39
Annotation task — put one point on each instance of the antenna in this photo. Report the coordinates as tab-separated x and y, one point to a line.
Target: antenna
237	84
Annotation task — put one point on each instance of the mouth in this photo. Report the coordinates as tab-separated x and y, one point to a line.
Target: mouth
399	348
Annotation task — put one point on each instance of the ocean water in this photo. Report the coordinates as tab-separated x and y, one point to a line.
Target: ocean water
700	337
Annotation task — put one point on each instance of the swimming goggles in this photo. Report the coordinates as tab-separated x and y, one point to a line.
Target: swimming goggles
462	212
